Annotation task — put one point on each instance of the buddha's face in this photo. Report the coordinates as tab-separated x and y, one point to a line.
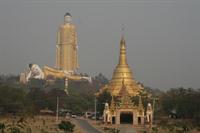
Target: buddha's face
68	19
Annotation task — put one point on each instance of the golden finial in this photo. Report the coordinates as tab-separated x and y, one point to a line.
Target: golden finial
122	35
122	57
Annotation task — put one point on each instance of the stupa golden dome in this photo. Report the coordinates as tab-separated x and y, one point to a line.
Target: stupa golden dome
122	74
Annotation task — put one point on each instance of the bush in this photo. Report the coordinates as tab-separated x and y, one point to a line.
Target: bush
2	127
154	130
66	126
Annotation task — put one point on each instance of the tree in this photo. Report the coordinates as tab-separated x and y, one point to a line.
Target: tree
11	99
184	102
99	81
103	98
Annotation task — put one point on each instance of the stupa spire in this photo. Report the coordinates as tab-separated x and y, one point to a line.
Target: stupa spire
122	56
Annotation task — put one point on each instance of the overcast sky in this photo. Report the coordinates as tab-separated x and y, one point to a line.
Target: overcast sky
162	37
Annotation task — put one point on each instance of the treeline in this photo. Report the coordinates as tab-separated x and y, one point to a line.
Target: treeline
31	98
179	103
182	103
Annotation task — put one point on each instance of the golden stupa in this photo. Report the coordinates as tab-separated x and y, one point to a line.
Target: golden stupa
122	74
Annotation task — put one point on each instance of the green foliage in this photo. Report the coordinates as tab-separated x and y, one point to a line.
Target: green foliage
154	130
36	83
102	99
80	98
2	127
14	130
11	99
38	94
99	81
185	102
66	126
12	80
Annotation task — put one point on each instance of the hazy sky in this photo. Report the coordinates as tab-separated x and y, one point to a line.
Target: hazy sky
162	37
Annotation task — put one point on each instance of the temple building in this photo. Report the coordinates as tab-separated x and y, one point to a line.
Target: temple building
122	88
125	111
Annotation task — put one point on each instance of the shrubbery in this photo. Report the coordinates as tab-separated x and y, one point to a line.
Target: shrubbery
66	126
